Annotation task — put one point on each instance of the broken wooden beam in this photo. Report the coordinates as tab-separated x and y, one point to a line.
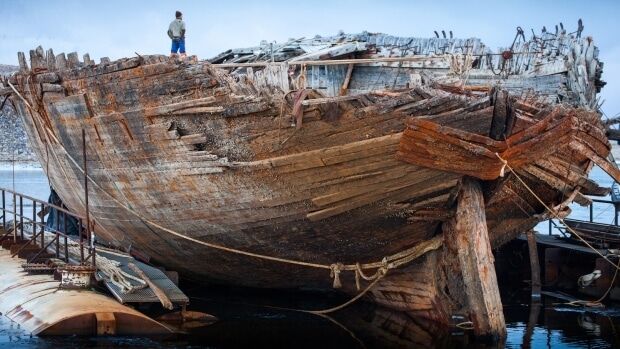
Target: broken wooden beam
331	52
23	66
161	295
605	165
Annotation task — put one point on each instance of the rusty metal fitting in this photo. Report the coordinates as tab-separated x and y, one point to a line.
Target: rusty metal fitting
76	276
507	54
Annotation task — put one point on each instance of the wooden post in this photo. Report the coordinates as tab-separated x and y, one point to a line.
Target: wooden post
347	79
534	264
106	324
470	248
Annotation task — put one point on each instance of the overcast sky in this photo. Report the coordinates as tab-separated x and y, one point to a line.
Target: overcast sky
117	29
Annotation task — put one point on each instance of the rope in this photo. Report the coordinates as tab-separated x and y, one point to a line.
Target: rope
381	274
387	263
555	215
465	325
598	303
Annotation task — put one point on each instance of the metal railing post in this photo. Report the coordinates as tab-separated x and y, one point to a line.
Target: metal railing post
592	212
66	249
550	227
14	217
91	241
57	245
81	232
42	218
3	209
64	223
21	217
34	220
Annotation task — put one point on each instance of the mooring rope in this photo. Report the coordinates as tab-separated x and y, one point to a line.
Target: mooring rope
556	216
599	302
382	267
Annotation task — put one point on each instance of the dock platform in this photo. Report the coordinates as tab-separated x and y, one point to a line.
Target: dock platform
36	302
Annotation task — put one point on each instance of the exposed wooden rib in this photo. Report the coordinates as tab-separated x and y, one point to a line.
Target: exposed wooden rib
600	161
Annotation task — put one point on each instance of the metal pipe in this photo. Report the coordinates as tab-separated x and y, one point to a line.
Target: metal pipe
57	245
591	211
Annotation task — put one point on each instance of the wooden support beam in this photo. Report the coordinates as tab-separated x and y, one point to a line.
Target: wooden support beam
347	79
468	239
534	264
106	324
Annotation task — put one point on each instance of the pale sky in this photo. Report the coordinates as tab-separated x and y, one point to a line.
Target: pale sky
118	29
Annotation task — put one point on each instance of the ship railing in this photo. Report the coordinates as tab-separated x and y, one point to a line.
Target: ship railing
600	231
60	239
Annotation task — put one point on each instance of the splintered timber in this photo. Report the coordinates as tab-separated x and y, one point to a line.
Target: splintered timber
342	161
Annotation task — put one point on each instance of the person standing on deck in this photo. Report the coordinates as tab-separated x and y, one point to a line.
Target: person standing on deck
176	32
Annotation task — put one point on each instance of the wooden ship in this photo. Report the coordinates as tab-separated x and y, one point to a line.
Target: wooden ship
382	165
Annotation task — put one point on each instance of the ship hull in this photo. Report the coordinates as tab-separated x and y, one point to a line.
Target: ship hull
250	180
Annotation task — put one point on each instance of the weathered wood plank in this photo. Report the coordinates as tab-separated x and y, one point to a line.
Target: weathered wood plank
468	238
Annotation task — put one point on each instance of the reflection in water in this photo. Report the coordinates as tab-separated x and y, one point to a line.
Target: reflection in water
246	321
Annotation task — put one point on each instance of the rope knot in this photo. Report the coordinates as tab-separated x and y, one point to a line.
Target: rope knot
334	273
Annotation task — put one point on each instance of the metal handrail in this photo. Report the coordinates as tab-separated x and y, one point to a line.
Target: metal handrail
40	202
603	236
83	231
